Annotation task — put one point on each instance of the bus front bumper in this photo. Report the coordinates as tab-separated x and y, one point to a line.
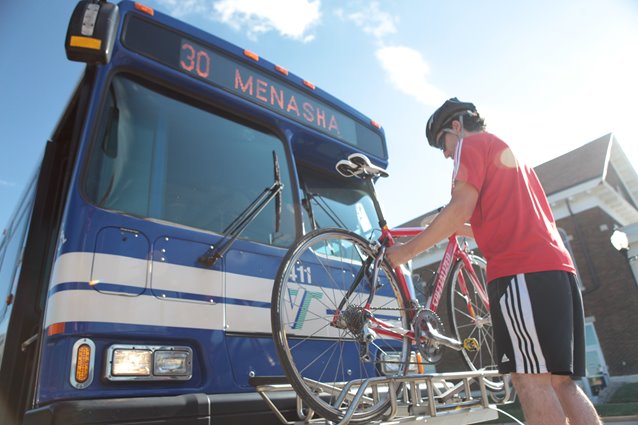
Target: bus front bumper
186	409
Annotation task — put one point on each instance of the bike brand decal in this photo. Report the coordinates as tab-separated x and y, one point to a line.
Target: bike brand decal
300	300
438	288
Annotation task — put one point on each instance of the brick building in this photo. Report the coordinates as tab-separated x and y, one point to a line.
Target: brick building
592	190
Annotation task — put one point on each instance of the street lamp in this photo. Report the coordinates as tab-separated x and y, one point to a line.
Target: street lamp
620	241
625	240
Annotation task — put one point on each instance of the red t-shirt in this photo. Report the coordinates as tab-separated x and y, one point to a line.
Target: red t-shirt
513	224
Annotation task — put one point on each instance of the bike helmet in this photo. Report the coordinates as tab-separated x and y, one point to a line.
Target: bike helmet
451	109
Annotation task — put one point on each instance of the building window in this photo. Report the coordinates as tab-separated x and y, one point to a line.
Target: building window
596	366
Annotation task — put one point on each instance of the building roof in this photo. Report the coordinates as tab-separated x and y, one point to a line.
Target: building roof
419	221
585	170
586	164
581	165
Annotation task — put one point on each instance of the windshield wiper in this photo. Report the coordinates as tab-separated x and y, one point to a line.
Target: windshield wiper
232	232
320	201
278	202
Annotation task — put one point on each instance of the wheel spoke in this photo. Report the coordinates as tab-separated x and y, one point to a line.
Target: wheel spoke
477	325
314	348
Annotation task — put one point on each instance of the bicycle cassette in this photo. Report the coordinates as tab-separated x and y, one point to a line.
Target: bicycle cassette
429	349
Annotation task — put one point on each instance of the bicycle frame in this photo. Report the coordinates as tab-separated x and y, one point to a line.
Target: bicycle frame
453	253
345	344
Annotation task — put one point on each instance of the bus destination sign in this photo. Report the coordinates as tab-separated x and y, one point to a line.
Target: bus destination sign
249	82
260	88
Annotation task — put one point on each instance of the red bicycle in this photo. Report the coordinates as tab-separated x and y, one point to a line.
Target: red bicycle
340	314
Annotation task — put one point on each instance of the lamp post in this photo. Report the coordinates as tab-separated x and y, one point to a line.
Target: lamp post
625	240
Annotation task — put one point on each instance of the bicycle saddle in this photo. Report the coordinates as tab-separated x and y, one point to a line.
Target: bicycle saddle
358	165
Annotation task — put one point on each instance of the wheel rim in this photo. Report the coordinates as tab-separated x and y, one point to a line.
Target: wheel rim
478	326
312	283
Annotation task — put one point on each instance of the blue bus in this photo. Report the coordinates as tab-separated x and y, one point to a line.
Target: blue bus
137	269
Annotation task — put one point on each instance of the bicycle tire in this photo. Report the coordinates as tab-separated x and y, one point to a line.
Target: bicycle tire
311	282
479	326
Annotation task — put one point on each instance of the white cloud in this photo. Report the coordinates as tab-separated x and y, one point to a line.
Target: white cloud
372	21
6	183
180	8
291	18
408	72
405	67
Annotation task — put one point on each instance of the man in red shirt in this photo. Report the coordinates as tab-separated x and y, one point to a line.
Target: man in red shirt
536	306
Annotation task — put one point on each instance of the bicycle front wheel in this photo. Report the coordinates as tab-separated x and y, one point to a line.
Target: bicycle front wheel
470	316
317	278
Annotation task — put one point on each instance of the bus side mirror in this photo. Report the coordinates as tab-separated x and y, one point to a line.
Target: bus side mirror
91	32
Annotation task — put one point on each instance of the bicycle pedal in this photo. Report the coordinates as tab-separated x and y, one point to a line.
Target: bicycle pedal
471	344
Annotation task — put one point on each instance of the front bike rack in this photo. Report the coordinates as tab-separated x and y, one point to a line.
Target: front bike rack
436	398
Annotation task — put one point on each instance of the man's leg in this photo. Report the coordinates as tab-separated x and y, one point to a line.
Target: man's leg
540	402
575	403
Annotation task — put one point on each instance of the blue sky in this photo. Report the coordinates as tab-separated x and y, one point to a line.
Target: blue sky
548	76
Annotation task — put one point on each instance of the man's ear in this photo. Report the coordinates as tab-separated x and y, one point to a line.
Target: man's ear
456	126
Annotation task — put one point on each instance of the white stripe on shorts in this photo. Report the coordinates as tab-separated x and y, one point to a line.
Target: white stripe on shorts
519	319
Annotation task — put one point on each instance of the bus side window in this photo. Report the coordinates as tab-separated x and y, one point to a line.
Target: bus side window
11	256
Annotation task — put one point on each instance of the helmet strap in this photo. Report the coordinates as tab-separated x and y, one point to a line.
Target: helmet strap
462	135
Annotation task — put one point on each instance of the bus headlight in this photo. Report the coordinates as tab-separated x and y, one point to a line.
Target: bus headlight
172	363
148	363
132	362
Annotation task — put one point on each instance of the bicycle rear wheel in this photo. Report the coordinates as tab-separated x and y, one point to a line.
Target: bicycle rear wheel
318	357
470	317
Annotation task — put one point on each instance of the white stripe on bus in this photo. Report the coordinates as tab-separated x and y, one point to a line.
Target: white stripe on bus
90	305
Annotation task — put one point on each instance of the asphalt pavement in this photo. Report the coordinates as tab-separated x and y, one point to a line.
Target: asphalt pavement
614	420
621	420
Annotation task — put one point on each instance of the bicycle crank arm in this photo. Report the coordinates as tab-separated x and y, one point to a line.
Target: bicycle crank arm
433	334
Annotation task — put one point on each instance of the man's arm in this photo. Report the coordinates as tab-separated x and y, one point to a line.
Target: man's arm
465	230
450	220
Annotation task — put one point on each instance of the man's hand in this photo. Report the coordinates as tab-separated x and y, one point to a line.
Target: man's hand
451	219
398	254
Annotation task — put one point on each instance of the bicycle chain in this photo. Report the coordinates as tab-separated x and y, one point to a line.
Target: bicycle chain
392	309
413	308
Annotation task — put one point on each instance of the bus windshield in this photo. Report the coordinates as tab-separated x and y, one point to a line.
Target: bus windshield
338	202
161	158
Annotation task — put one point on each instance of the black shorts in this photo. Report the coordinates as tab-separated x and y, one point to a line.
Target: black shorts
538	323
